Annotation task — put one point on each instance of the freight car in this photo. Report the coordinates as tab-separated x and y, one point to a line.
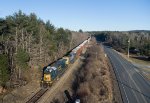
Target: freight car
53	71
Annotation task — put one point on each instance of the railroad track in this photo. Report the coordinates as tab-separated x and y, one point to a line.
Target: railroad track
37	96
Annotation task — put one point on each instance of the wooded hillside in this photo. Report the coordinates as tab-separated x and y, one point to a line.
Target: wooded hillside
27	41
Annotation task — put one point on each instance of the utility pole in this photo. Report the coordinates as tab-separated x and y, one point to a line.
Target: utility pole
128	47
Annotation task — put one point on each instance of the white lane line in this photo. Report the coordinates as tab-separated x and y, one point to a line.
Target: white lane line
121	83
130	77
136	70
132	90
133	65
142	77
132	81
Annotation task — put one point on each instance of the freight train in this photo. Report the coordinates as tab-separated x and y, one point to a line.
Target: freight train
54	70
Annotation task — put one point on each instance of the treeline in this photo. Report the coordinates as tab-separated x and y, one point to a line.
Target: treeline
139	40
26	40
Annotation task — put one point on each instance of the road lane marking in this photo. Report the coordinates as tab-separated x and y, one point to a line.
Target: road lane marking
133	65
136	70
130	76
131	79
121	83
148	83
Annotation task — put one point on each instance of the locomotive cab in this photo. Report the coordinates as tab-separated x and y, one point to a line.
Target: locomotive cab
46	78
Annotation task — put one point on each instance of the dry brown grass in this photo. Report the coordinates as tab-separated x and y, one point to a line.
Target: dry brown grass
93	83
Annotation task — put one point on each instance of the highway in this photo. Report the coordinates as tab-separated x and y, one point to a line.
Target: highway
133	86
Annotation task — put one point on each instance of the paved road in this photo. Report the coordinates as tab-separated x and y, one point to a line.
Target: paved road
133	86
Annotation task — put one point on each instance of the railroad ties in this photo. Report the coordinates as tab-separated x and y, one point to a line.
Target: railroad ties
37	96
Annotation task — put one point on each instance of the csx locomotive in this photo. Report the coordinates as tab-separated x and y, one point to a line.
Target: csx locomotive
54	70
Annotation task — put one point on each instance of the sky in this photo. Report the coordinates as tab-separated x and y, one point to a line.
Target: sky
88	15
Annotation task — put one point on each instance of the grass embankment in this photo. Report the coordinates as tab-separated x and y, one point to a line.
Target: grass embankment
142	62
133	59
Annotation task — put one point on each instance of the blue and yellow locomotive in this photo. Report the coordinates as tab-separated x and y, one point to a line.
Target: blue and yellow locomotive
55	70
